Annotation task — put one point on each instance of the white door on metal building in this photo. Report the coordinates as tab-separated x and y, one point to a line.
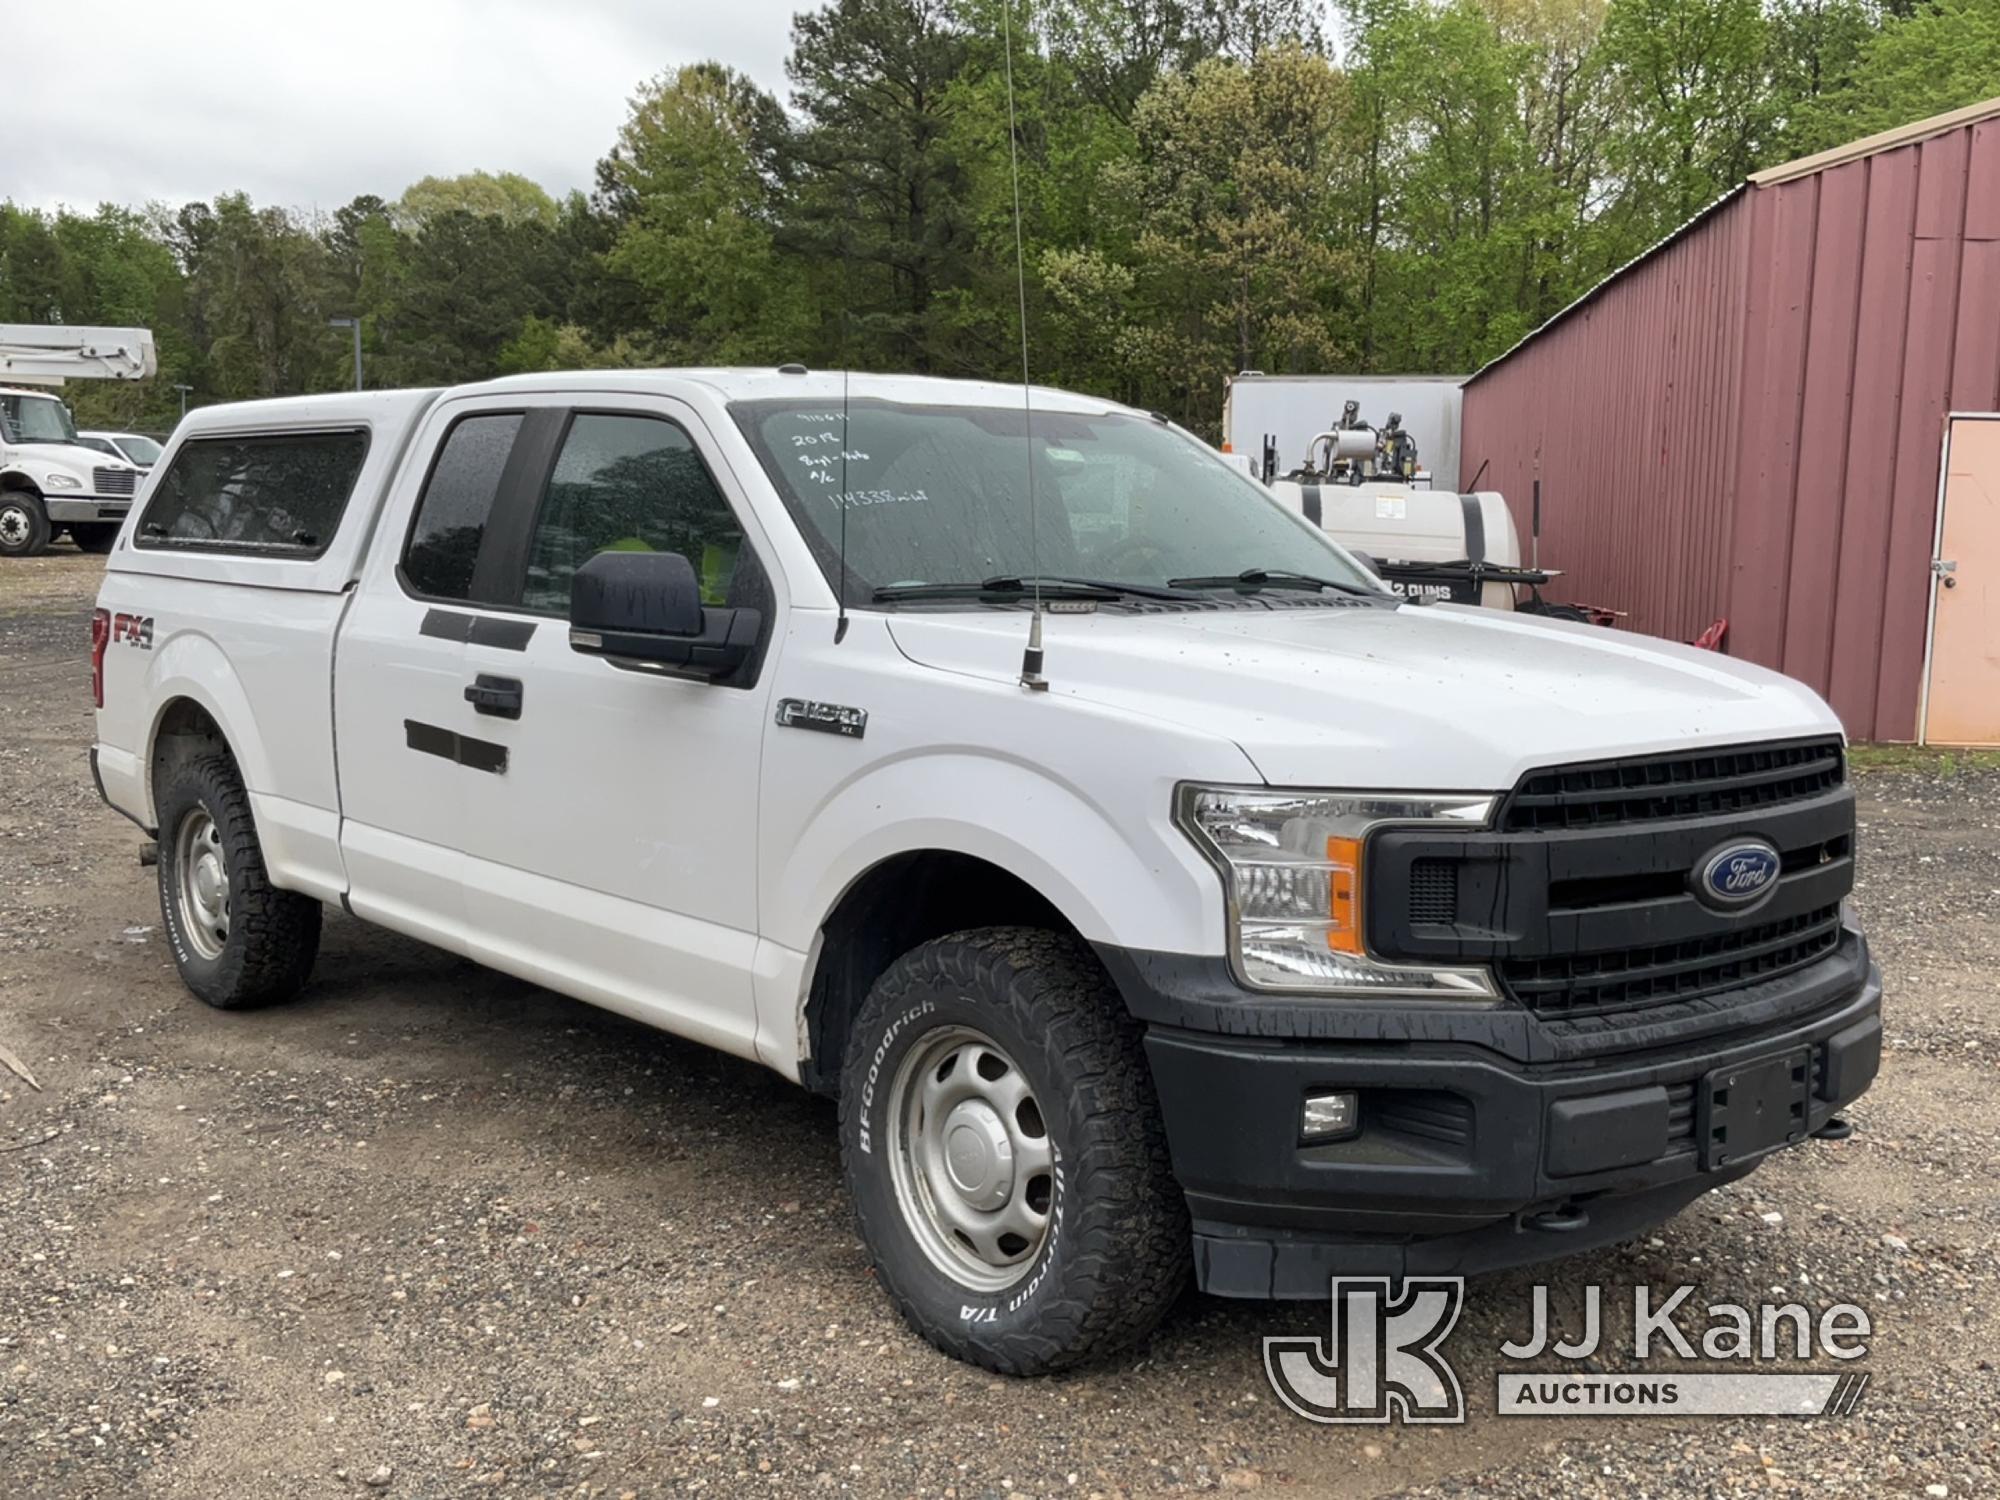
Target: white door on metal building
1962	682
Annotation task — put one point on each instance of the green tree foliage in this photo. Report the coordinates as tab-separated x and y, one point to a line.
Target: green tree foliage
1939	57
877	195
1236	180
696	179
1203	186
1688	75
1117	49
507	196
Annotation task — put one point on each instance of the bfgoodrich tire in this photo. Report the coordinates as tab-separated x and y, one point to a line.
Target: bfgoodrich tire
238	941
1003	1147
24	525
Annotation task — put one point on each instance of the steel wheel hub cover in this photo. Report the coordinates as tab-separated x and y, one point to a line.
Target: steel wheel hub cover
978	1157
971	1161
202	889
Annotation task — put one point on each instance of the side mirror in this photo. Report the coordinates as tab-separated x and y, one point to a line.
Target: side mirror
643	611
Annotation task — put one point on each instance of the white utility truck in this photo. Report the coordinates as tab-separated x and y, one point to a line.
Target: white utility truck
1159	895
50	481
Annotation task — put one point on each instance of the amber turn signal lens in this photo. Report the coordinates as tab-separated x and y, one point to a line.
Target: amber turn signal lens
1343	934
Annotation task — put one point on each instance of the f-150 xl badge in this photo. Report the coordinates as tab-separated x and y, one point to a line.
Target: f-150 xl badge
828	718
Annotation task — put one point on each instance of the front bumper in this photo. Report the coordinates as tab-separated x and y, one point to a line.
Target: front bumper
1487	1138
86	507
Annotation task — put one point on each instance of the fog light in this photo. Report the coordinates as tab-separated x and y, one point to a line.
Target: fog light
1328	1116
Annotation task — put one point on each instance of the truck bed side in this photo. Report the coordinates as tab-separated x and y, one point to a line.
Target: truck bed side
241	644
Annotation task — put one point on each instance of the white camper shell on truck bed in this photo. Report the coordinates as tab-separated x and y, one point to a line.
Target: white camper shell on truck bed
1265	926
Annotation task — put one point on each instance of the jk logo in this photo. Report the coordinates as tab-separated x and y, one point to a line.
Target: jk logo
1382	1363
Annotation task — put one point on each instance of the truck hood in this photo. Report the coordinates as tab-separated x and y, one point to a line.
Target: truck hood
65	457
1417	698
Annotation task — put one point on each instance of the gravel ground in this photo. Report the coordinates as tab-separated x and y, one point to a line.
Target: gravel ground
430	1231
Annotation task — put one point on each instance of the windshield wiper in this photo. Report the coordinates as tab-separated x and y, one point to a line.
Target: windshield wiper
1014	586
1269	578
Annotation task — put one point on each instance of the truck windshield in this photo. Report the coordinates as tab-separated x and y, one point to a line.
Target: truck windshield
141	450
939	495
35	419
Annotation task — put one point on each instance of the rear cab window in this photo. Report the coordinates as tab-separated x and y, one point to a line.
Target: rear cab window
448	529
271	493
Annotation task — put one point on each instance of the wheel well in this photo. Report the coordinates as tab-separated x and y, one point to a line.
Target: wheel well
186	729
12	481
901	903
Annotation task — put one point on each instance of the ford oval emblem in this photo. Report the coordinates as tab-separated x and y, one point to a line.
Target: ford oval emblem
1737	875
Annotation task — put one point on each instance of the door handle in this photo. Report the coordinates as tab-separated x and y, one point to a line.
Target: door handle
499	696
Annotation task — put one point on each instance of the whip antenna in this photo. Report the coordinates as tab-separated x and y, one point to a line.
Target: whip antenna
1031	659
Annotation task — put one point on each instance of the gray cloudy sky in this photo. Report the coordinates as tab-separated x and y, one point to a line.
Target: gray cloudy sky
307	103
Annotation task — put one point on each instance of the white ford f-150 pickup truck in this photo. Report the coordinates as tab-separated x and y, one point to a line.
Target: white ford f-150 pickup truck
1262	927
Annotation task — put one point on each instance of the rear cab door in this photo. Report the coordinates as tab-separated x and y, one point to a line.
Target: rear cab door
400	667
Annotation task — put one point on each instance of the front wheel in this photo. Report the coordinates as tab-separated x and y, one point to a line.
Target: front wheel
24	525
1003	1147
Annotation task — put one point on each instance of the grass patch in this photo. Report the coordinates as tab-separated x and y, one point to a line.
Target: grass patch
1922	759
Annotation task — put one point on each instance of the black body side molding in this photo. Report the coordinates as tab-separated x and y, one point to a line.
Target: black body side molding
479	755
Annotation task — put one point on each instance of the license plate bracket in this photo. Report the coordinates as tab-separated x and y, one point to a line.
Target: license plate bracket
1754	1107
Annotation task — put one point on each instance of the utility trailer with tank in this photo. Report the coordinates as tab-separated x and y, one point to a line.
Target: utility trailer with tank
1252	925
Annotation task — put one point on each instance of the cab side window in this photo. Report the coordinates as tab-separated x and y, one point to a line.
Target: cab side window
631	484
452	514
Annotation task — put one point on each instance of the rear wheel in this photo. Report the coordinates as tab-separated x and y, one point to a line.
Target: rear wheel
1004	1150
24	525
238	940
94	536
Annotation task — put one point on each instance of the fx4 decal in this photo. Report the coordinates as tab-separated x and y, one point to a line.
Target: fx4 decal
133	630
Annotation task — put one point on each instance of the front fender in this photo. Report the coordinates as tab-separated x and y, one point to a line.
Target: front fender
1113	865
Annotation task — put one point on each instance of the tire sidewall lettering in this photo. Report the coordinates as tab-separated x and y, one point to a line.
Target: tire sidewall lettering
882	1048
193	966
1019	1295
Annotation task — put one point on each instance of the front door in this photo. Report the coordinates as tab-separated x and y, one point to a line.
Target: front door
610	848
1962	694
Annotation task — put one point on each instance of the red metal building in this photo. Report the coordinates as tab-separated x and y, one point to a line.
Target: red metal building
1746	421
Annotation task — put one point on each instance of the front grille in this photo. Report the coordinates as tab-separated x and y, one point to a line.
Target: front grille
1691	784
1433	890
115	481
1588	983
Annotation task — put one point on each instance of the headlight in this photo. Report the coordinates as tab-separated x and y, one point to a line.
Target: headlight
1292	866
62	482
